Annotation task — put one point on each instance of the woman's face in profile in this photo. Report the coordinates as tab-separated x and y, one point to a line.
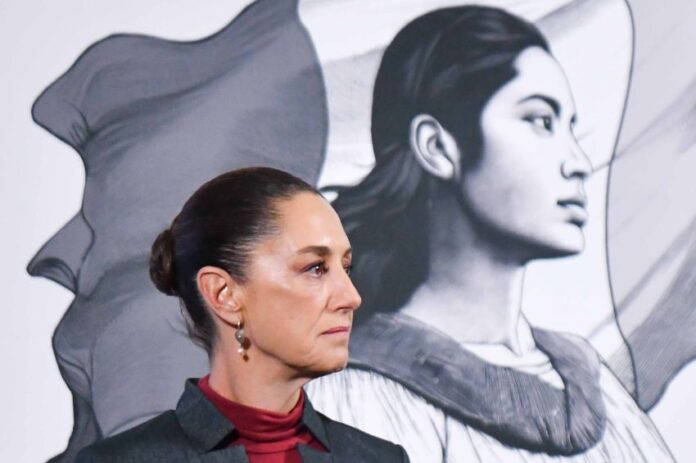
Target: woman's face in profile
528	184
299	299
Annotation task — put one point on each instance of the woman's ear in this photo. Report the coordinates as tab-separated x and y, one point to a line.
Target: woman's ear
221	293
434	147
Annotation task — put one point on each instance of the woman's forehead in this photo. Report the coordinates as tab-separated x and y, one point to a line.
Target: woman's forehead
307	222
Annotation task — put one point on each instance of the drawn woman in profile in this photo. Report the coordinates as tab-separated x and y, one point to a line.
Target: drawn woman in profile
478	172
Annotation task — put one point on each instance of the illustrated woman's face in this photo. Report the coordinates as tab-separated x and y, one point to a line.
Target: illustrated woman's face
528	185
299	299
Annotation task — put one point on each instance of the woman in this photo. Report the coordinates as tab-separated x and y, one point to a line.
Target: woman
260	261
478	172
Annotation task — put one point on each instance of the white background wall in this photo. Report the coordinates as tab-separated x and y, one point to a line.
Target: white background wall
41	183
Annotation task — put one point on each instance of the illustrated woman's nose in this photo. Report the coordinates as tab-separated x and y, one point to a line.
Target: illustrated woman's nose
577	164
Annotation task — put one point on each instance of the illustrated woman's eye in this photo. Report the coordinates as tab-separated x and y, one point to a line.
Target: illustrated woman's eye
542	122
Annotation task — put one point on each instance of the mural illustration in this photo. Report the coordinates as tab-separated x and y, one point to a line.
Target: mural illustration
473	132
483	158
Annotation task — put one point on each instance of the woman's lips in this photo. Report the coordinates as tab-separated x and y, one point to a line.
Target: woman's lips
337	330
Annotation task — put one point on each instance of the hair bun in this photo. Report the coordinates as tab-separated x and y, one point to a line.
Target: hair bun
162	271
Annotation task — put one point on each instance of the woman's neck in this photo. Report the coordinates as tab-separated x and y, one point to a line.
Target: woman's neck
473	291
257	382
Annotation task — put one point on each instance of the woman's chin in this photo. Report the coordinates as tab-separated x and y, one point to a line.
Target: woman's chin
331	364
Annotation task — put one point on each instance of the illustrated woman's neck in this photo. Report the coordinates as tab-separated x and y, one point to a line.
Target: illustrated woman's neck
473	291
259	381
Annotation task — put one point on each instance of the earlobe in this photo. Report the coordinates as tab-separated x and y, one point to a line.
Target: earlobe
434	147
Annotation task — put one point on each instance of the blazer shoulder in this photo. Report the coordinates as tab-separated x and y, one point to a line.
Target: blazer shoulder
150	441
350	441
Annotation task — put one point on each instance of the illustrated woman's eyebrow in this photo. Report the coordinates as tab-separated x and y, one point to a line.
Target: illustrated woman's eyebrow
552	102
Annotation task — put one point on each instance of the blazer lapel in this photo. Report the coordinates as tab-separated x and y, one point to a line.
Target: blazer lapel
200	420
234	454
314	423
312	420
310	455
207	427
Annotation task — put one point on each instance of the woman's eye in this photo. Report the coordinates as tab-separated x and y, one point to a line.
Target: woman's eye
317	269
542	122
348	269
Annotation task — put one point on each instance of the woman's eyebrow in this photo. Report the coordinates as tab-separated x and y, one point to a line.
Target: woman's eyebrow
552	102
321	250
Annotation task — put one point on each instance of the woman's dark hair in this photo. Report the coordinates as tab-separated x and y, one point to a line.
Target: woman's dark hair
219	226
446	63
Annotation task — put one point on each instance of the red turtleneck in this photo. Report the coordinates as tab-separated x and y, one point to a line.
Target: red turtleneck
268	437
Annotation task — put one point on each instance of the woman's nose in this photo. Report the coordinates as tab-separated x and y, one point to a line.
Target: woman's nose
576	164
346	295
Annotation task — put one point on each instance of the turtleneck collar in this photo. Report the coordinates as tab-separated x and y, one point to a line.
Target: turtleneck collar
262	431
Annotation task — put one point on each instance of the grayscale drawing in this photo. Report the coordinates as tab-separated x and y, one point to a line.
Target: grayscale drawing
477	173
583	35
469	149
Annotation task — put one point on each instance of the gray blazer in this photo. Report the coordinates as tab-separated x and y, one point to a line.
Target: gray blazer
197	432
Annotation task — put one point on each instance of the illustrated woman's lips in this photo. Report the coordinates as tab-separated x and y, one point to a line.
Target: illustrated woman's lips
577	213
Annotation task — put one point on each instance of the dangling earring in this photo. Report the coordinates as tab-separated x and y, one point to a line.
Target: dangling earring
241	338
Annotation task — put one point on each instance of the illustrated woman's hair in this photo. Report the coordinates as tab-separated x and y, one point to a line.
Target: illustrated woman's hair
219	225
446	63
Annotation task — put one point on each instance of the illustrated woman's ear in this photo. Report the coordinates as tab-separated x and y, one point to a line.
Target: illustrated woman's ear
434	147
